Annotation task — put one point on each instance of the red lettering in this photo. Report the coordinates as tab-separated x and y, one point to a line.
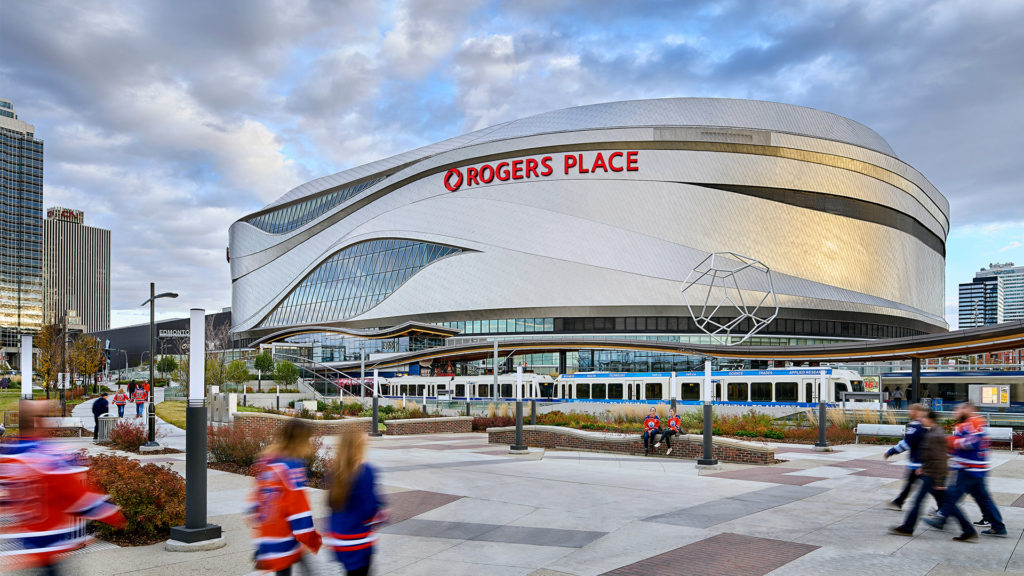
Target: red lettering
598	162
569	161
517	169
471	175
581	168
611	164
502	171
453	179
631	161
531	166
484	176
546	163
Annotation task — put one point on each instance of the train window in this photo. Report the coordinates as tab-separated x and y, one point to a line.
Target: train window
809	392
484	390
737	391
460	389
839	387
420	389
598	391
506	390
615	391
583	391
786	391
760	391
689	391
858	385
654	391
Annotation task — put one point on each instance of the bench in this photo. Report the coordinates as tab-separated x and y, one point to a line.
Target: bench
67	422
1001	435
883	430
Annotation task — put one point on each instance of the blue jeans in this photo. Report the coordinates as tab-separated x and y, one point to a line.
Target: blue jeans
120	410
139	407
649	436
927	487
973	484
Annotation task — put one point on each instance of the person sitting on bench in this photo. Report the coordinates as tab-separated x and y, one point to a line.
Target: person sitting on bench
652	426
674	427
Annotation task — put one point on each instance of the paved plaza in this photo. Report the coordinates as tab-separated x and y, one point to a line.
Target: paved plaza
462	506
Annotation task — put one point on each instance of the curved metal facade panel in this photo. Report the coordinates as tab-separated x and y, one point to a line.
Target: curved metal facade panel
584	244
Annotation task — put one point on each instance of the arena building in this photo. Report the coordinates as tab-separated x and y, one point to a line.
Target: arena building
587	221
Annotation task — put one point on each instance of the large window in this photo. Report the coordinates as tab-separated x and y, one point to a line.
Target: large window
355	280
295	216
654	391
583	391
786	391
760	391
615	391
598	392
737	392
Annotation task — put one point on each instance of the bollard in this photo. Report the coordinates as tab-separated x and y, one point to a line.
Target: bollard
374	427
533	412
708	458
519	446
822	426
467	408
152	426
673	404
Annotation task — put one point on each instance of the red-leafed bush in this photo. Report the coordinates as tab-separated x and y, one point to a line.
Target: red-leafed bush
482	423
151	497
232	446
128	435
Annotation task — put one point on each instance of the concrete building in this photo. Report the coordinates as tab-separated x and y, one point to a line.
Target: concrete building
76	271
996	295
21	231
588	220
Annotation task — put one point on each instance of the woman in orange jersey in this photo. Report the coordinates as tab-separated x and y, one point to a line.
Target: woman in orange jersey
281	515
120	399
356	507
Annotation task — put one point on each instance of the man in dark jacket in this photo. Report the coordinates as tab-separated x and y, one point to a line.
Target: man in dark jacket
931	473
911	441
100	407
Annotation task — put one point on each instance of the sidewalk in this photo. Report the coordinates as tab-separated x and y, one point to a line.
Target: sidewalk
167	435
464	507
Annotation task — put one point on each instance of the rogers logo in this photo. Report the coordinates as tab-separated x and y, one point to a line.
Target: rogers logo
524	168
453	173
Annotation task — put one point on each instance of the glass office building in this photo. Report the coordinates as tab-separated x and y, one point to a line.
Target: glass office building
994	296
21	221
587	222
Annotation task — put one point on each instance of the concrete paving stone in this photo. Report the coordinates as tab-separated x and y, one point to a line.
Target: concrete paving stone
432	567
412	503
944	569
502	554
413	546
770	474
837	562
541	536
546	572
633	542
222	502
724	553
439	529
478	510
825	471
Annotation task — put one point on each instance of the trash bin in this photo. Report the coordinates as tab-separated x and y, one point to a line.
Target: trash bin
107	424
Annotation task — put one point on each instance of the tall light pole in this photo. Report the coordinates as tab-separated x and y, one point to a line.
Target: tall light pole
152	344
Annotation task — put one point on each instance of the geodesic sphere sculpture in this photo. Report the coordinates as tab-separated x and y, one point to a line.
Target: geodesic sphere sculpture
727	292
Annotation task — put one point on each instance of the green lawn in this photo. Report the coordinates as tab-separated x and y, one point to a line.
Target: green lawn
172	412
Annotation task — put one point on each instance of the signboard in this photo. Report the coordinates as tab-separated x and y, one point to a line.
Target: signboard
542	167
871	384
990	395
65	214
174	333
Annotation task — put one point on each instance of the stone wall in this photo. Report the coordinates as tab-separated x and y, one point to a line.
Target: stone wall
428	425
258	424
687	446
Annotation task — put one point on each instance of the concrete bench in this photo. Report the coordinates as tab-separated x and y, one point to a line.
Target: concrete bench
1001	435
66	422
882	430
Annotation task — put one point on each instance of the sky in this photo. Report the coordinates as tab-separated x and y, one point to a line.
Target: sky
167	121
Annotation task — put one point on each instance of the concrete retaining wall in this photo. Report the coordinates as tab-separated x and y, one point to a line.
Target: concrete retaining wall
687	446
428	425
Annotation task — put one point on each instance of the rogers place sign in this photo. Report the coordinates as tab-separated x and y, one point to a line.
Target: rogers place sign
526	168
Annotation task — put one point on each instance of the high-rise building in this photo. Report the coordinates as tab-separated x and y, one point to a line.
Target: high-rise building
76	271
21	225
996	295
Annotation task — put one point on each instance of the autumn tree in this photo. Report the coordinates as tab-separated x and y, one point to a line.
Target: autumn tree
86	356
50	360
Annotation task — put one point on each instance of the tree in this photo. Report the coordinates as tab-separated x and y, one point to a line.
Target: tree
86	356
180	374
264	363
286	373
50	360
216	372
237	372
166	365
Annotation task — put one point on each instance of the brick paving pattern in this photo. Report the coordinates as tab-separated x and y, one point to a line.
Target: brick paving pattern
874	468
774	474
722	555
405	505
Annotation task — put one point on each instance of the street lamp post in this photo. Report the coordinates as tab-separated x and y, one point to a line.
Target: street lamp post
152	344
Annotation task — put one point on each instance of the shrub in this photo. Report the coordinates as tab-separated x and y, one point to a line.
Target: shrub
482	423
152	498
231	445
128	435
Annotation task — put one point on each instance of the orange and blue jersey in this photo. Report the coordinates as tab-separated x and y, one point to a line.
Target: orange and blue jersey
44	492
652	423
283	519
140	396
969	445
675	423
353	527
120	399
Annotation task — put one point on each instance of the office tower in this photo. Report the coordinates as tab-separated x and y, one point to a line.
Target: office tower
76	271
996	295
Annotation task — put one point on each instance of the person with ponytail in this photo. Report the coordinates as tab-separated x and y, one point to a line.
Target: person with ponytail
356	507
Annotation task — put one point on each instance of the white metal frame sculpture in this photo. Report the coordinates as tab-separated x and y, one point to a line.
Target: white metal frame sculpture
714	285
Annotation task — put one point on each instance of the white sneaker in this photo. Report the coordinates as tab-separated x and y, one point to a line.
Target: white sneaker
667	452
657	445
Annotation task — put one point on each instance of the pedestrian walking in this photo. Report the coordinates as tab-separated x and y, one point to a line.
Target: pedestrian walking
356	506
969	445
120	399
911	442
100	406
282	518
140	398
652	426
46	493
131	390
897	398
932	472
